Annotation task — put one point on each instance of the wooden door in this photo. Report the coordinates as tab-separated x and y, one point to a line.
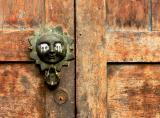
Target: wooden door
23	93
118	54
117	59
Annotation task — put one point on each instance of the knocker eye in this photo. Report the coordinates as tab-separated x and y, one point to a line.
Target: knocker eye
58	47
44	47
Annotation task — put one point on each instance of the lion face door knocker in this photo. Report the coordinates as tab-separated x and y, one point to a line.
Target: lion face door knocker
51	48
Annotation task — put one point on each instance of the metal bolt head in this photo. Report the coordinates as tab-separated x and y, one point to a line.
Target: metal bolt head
60	96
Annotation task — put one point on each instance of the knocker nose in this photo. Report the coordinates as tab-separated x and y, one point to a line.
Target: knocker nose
52	49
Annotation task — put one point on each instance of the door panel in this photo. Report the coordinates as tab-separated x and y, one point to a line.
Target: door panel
19	19
21	91
22	13
133	90
117	31
132	46
61	12
132	14
127	14
15	46
155	15
91	90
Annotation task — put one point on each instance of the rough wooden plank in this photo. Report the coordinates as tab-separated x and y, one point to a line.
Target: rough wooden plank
14	45
132	46
61	12
18	20
22	13
127	14
1	14
21	91
156	15
91	59
133	91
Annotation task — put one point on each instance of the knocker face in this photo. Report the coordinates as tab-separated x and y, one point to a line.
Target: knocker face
51	49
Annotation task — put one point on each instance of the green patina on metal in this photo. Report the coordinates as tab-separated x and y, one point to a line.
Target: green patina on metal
52	49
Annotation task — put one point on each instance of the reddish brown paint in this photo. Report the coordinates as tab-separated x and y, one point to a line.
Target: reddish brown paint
15	46
156	15
22	13
21	91
132	46
22	96
61	12
93	49
133	91
124	14
91	59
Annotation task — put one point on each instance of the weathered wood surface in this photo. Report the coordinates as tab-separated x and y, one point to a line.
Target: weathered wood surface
131	15
132	46
156	15
133	91
91	59
22	14
19	19
22	92
127	14
15	33
14	45
61	12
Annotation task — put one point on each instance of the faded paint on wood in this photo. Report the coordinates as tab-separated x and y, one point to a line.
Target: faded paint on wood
22	14
132	46
127	14
133	91
14	45
155	14
91	59
20	20
16	40
61	12
17	20
21	91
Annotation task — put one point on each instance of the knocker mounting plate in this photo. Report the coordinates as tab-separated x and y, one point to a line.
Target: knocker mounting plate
52	49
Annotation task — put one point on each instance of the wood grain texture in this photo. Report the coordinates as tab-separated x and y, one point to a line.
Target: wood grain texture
22	92
156	15
91	59
132	46
14	45
127	14
22	14
133	91
1	14
20	20
61	12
